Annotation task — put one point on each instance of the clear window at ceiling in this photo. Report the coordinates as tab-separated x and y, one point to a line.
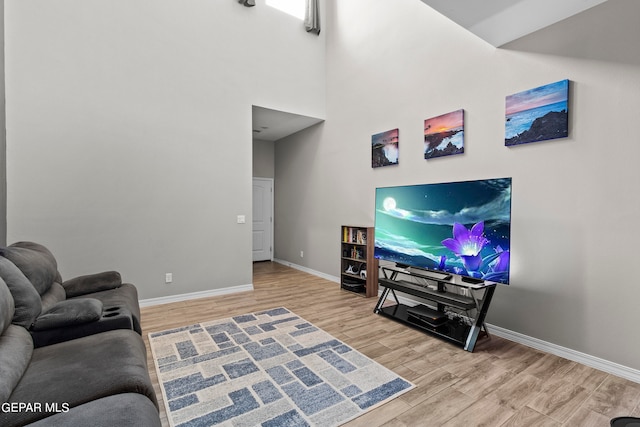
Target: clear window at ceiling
292	7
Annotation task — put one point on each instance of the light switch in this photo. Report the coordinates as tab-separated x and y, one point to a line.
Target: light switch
241	219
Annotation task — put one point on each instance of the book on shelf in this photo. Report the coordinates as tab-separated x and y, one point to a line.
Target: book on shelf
354	235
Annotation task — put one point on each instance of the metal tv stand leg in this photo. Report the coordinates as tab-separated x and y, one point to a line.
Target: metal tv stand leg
479	321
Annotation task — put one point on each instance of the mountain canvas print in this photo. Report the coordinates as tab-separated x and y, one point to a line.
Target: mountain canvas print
444	135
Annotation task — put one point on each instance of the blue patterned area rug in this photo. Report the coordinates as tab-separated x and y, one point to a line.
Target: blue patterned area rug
270	368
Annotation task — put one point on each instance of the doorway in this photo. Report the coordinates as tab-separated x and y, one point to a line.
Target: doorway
262	219
268	127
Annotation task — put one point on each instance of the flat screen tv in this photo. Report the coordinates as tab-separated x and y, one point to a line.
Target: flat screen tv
458	228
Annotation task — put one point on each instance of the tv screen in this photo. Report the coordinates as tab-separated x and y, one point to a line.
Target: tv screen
456	227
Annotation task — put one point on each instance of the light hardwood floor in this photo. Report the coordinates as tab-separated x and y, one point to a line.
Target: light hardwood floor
500	384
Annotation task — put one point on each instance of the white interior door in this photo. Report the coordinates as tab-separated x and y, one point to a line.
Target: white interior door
262	219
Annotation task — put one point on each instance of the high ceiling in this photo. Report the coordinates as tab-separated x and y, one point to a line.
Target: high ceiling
502	21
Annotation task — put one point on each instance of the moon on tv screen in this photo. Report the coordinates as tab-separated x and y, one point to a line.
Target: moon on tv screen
389	204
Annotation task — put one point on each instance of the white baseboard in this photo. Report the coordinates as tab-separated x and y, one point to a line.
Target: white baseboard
195	295
547	347
308	270
567	353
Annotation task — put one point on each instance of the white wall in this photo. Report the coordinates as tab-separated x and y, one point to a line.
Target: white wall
263	159
129	141
3	158
575	204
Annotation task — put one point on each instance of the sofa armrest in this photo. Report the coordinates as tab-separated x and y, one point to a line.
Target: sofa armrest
69	313
90	283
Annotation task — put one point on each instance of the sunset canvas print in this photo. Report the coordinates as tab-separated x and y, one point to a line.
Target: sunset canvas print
537	114
444	135
384	148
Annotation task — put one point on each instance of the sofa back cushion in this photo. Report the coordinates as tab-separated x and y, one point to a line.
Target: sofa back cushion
16	349
36	263
26	299
53	296
16	346
6	306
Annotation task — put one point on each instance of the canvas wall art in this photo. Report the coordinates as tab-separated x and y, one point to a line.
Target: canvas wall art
537	114
444	135
384	148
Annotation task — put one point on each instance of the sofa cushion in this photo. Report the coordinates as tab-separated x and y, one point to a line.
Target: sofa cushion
121	410
69	313
35	262
81	370
26	299
16	349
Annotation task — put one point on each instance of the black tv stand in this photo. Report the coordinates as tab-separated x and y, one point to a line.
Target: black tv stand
464	305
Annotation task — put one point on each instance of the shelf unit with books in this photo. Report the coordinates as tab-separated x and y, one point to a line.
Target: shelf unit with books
358	269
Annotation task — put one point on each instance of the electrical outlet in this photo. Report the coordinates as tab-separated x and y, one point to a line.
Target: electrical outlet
168	277
301	254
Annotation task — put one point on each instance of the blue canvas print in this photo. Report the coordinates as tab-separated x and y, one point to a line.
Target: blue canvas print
537	114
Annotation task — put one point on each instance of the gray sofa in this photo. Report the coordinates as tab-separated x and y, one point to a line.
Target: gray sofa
97	379
53	310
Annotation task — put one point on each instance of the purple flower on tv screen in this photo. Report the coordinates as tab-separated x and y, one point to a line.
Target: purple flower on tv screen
443	262
467	244
501	263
